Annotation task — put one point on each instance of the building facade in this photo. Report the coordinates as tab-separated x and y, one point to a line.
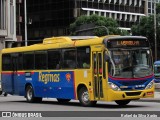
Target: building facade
126	12
7	23
151	5
48	18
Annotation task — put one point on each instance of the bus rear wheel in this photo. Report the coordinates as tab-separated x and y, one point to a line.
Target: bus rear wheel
30	95
5	94
83	97
122	102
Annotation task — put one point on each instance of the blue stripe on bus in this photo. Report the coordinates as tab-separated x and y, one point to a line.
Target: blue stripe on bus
45	84
130	84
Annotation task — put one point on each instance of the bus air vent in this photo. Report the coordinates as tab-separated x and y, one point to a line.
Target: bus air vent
133	93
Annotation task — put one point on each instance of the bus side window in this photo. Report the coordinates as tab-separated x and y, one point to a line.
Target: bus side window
69	58
54	59
40	59
6	62
28	60
83	57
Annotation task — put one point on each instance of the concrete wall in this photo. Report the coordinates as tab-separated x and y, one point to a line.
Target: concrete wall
7	22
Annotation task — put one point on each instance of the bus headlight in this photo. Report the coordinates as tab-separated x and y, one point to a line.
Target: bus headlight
113	86
150	85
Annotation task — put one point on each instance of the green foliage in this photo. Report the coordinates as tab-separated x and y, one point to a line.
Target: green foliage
145	28
109	23
124	32
82	20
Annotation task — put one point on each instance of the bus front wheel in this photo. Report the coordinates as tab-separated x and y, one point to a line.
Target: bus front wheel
30	95
83	97
122	102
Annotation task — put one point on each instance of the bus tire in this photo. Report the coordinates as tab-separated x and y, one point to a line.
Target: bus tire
83	97
122	102
0	92
30	95
5	94
60	100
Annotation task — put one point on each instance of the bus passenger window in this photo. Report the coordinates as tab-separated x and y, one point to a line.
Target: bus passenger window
6	62
54	61
40	60
69	58
28	60
83	57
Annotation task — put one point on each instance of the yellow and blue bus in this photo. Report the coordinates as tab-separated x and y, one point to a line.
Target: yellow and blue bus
84	68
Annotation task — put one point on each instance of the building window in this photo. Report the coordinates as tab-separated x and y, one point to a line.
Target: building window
3	14
11	17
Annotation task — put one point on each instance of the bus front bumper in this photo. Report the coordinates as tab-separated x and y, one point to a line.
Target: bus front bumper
132	95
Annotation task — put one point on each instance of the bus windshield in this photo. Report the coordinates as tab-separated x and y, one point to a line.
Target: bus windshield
130	63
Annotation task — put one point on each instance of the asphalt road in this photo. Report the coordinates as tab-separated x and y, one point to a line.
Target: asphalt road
50	107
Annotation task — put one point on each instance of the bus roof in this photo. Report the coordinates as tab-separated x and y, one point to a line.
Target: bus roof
65	42
58	42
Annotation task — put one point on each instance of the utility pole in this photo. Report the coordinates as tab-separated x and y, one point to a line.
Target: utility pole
155	30
25	21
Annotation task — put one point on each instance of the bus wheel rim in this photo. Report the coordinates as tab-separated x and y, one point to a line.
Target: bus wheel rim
85	97
29	94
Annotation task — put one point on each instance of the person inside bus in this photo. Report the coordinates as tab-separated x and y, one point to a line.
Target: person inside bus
86	62
86	65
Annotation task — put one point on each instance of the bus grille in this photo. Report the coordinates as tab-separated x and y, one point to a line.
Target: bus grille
133	93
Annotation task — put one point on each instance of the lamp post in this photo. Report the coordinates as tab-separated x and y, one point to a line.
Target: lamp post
155	30
25	22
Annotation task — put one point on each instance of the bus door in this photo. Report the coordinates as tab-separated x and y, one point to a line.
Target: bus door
14	75
97	73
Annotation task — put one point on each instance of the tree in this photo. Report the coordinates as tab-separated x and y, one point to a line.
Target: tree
97	21
146	27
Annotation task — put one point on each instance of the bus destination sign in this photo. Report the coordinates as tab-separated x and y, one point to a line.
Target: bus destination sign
127	43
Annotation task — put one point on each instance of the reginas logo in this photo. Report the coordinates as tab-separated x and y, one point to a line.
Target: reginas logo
48	77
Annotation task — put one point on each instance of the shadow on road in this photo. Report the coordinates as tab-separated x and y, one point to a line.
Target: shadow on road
109	105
